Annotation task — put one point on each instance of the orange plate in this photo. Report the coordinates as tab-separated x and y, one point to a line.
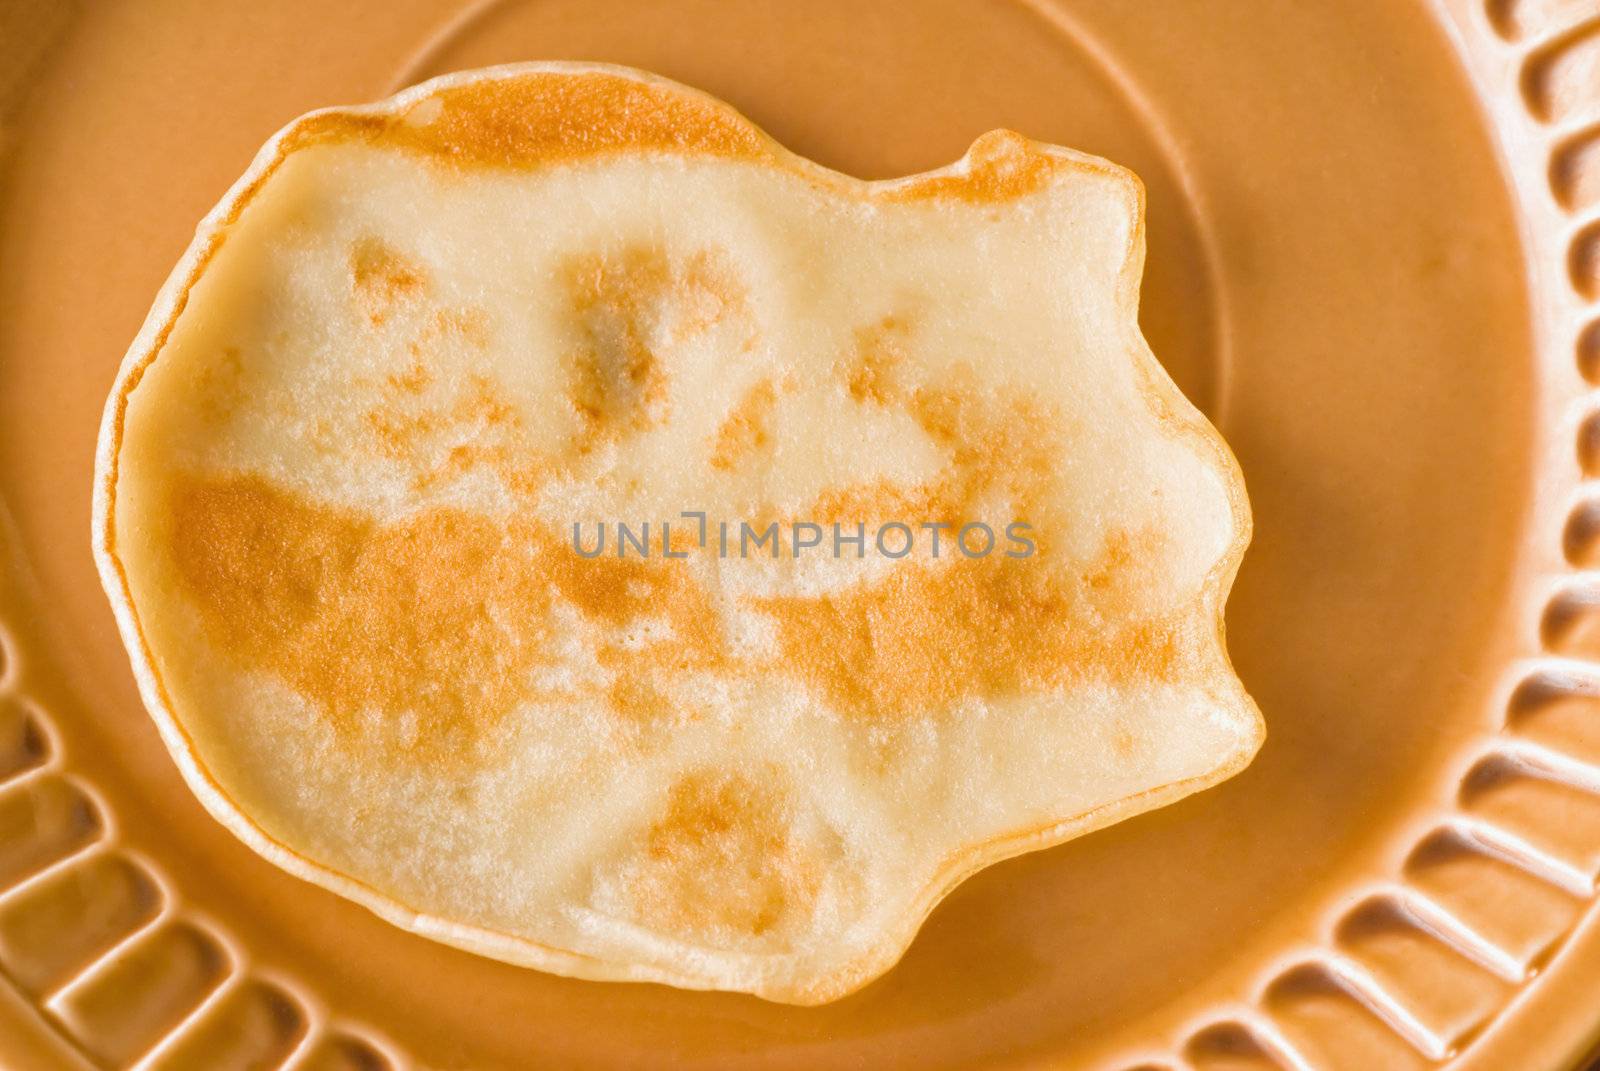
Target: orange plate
1374	261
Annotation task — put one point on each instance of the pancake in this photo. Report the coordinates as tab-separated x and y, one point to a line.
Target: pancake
542	509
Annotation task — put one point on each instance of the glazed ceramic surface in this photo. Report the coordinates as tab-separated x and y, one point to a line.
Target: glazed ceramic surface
1374	263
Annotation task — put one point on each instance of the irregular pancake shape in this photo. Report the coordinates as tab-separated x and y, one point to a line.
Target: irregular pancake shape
544	510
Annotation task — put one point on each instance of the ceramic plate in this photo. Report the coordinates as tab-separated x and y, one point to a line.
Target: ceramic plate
1374	262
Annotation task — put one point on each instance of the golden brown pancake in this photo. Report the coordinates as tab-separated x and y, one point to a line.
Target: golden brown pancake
936	552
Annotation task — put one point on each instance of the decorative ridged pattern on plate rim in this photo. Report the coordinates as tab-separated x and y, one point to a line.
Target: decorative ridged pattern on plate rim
97	940
1412	969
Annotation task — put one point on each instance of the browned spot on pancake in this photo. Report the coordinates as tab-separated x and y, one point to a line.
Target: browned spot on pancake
532	119
710	290
926	637
882	500
1000	449
617	379
439	617
880	351
723	860
933	633
536	119
448	438
632	307
397	430
439	428
619	591
469	324
1121	553
381	277
444	430
485	404
957	415
414	380
1002	166
634	695
747	428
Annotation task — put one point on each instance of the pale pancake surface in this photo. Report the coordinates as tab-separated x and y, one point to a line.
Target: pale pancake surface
419	341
